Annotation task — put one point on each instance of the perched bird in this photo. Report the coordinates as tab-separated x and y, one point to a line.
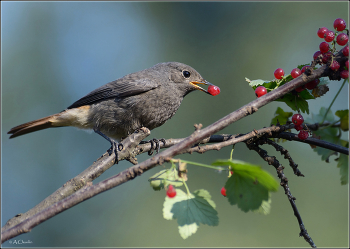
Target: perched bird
147	98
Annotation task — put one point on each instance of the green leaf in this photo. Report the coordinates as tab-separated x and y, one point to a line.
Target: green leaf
265	206
282	116
343	164
256	82
269	85
249	185
305	95
164	178
190	210
295	102
317	118
344	119
301	66
330	134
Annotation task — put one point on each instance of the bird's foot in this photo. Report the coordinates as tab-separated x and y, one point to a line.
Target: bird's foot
153	142
115	146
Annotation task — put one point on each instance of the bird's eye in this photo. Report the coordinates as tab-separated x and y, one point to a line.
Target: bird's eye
186	74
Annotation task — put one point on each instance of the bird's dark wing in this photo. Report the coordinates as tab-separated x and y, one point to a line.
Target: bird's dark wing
123	87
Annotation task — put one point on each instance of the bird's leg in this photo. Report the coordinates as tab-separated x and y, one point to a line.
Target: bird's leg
154	141
115	146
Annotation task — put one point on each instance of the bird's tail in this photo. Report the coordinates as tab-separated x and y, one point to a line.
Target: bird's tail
35	125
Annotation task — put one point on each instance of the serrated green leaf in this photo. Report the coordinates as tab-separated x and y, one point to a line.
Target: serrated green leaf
344	143
267	84
186	231
281	117
324	153
344	119
293	102
248	186
190	211
254	172
301	66
317	118
165	177
343	164
257	82
330	134
305	95
303	105
265	206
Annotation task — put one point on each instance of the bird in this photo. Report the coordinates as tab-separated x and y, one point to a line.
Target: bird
147	98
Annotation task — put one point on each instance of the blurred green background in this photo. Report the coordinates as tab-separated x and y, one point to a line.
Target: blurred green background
56	52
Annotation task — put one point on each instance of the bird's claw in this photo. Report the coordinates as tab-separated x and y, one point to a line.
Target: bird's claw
156	147
115	146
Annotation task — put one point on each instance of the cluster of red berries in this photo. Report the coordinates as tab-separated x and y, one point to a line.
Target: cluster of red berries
341	39
328	36
171	192
310	85
298	120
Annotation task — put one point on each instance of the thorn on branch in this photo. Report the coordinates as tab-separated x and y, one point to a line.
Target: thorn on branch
198	127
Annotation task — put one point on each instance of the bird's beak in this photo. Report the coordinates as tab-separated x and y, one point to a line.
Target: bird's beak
196	83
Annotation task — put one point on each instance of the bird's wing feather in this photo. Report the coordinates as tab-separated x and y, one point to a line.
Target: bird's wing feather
124	87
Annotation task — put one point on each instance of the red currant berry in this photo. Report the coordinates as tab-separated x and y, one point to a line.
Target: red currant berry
213	90
312	84
329	36
279	73
335	65
347	64
260	91
346	51
324	47
296	72
300	89
297	119
298	127
339	24
223	191
321	32
303	135
171	192
304	68
316	54
326	57
342	39
344	74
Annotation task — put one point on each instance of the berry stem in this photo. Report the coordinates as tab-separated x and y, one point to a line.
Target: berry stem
324	118
197	164
232	152
187	189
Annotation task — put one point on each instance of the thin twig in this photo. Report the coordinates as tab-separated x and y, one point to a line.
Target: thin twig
284	183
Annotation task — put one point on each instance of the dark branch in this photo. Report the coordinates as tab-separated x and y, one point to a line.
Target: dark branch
271	160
